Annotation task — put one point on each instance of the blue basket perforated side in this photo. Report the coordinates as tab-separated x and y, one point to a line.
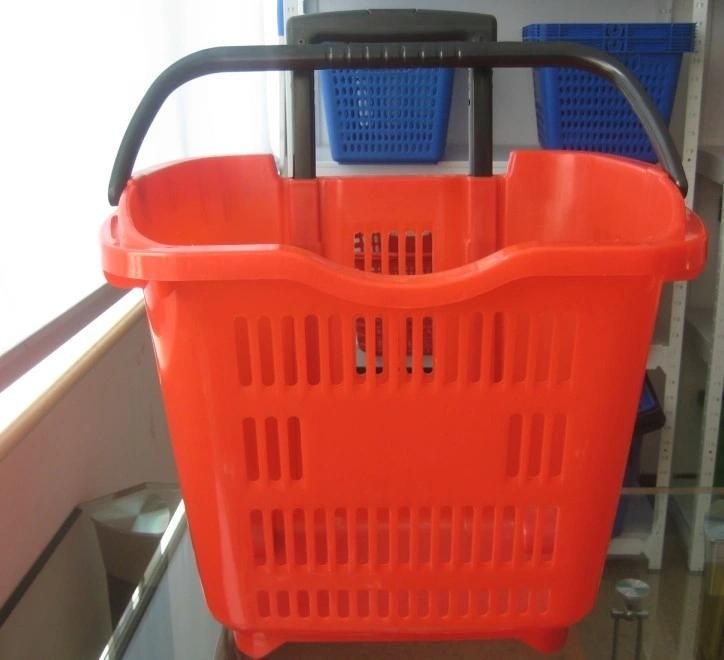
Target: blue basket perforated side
618	37
580	111
394	116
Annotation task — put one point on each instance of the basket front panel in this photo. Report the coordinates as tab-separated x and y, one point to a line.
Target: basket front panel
355	469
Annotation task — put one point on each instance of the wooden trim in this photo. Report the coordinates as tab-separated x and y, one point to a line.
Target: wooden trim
21	426
23	357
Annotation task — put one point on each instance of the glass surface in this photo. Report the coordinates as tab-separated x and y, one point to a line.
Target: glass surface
669	632
711	633
164	616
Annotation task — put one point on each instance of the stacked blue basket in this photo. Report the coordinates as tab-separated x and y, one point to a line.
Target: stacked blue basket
395	116
577	110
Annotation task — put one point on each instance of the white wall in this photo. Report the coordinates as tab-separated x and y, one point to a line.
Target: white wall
107	433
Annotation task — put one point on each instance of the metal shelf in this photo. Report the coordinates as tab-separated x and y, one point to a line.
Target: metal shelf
659	352
658	355
454	162
710	162
705	335
700	322
682	511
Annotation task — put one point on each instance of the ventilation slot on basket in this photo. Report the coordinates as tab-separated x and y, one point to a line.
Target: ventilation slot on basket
311	335
423	604
383	603
255	351
362	538
403	537
287	350
244	351
402	604
275	454
541	601
501	601
536	446
381	537
263	604
340	536
323	604
405	253
419	345
442	603
363	604
553	344
303	605
486	534
414	354
283	606
513	348
335	350
342	604
314	350
437	537
321	553
460	603
369	345
299	537
258	538
279	541
273	462
509	534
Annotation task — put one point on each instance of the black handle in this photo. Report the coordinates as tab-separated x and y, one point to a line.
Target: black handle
391	56
393	25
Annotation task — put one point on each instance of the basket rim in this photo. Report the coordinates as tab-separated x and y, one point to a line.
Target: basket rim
136	260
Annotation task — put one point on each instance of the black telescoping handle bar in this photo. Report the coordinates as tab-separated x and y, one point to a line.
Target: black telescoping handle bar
390	56
388	26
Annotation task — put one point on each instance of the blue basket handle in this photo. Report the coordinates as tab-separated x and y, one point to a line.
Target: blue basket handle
388	56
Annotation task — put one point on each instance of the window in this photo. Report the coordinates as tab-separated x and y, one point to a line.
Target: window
74	75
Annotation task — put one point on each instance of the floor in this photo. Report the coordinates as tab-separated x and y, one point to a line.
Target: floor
669	633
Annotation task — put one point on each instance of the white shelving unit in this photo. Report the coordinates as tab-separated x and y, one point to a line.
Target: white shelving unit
705	334
455	163
645	523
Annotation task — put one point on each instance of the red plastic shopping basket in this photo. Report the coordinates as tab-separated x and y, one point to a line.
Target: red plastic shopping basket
461	489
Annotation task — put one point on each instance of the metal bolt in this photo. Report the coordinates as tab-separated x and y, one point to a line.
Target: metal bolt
633	593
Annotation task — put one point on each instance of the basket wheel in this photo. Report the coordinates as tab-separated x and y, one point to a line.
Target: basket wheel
244	645
547	640
253	645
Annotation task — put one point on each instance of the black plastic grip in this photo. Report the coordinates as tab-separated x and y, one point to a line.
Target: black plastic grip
388	25
393	25
361	56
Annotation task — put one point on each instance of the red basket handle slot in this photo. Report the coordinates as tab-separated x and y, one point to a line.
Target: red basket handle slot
386	56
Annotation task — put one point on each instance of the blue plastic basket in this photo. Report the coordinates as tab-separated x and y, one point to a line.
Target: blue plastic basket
392	116
578	110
